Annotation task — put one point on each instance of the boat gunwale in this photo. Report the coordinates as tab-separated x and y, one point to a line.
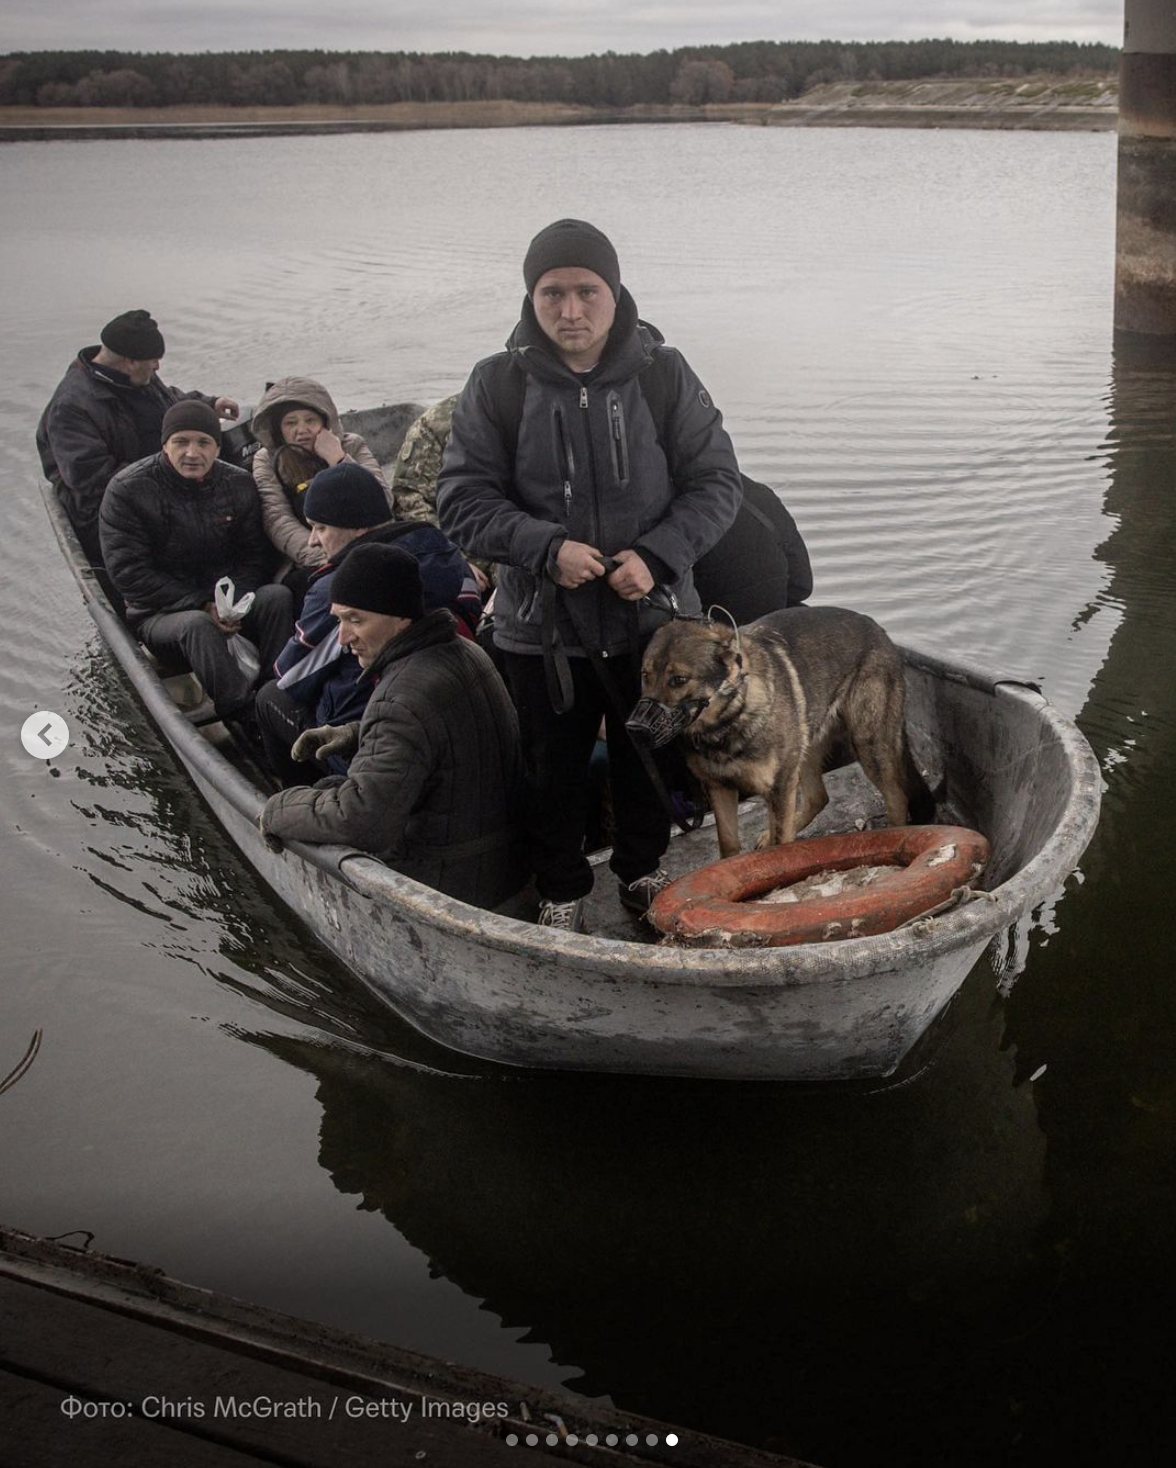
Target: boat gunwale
727	968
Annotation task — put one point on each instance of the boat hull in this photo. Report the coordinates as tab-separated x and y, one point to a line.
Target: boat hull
504	990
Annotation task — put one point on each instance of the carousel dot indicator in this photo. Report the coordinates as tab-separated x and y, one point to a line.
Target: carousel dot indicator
671	1439
512	1439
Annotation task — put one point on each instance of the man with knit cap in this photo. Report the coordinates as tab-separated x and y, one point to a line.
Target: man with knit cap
171	526
433	781
105	413
318	680
590	463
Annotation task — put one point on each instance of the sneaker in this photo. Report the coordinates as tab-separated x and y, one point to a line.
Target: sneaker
638	896
568	917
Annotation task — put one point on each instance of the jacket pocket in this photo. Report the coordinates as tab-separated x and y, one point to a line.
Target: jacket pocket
617	438
517	597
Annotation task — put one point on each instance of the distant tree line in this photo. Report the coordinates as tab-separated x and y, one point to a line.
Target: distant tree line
752	71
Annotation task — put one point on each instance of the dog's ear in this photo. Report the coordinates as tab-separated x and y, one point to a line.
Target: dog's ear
727	657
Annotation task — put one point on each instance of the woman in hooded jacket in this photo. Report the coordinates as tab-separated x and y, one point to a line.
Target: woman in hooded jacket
297	424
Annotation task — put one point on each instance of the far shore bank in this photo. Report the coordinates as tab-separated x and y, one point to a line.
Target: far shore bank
1030	104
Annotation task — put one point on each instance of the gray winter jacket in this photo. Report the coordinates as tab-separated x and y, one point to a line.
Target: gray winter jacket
434	788
585	462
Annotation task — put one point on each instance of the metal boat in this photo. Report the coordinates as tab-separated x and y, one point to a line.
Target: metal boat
1000	757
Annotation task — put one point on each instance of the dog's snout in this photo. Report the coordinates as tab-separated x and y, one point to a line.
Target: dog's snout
655	724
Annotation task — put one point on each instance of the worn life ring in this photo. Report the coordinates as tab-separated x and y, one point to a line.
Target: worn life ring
930	863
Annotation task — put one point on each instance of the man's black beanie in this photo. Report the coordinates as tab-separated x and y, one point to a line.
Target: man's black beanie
572	242
347	496
379	578
193	415
133	335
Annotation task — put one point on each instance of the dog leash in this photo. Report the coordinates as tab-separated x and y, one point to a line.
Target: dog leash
561	690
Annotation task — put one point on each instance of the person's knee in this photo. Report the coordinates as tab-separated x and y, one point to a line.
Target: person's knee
273	600
196	629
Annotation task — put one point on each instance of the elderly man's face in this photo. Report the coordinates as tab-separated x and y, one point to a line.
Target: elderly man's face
142	370
331	538
366	634
575	308
191	453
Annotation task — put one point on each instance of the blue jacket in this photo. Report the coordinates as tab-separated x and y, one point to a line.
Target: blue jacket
314	670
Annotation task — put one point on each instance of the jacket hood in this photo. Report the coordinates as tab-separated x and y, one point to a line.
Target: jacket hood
629	337
284	394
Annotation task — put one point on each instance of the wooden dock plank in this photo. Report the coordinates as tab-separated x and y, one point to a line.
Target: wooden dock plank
35	1434
156	1370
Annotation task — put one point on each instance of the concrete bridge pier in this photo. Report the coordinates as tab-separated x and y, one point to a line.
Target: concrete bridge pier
1145	272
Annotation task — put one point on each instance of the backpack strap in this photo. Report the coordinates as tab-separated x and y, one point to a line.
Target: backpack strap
507	387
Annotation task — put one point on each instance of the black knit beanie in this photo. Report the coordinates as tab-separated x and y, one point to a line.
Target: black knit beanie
347	496
133	335
571	242
379	578
193	415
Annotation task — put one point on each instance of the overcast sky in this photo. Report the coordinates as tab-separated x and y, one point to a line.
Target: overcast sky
532	27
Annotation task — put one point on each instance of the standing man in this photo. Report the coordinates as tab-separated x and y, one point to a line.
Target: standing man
172	526
590	463
105	413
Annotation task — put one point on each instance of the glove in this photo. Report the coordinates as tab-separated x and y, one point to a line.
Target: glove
327	739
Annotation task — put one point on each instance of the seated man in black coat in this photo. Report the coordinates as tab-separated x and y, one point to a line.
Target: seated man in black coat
172	525
435	775
105	414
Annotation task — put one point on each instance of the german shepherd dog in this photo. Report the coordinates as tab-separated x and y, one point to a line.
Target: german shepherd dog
759	708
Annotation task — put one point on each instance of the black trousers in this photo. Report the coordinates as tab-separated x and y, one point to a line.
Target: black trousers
558	748
281	720
195	637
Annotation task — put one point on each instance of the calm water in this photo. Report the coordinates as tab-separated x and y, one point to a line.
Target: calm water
910	336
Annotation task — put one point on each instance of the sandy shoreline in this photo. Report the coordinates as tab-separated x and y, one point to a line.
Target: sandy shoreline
1029	104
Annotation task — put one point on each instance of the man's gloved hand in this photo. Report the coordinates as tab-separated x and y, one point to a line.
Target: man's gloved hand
325	740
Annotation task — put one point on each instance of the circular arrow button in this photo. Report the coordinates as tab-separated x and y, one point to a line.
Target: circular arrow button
44	734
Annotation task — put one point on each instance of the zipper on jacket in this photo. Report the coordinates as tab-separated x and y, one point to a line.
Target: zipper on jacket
594	498
566	461
618	444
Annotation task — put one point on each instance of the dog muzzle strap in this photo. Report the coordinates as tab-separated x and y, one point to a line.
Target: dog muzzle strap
656	724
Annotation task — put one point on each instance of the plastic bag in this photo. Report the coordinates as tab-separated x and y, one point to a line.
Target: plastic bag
231	610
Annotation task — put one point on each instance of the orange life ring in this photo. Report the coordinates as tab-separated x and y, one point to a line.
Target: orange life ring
929	863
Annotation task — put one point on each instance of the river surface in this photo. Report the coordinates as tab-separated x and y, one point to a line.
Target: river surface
910	336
